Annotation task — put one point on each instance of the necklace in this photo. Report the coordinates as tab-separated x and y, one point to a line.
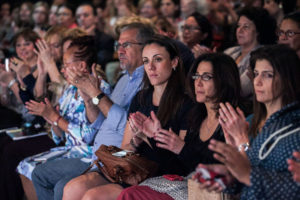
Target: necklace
208	129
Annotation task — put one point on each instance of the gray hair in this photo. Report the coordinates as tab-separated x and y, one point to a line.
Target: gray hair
144	31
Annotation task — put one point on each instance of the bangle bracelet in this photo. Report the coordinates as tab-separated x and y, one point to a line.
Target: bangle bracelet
10	84
244	147
22	88
55	123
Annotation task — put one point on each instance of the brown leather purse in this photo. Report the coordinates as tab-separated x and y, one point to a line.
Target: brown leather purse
130	168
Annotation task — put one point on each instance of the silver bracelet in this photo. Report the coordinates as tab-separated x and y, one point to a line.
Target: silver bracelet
244	147
10	84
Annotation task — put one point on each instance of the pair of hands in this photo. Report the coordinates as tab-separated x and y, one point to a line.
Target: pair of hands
87	84
43	109
199	50
143	127
235	166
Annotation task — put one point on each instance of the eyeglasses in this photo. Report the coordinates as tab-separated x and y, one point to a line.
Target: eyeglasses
287	33
203	77
126	45
190	28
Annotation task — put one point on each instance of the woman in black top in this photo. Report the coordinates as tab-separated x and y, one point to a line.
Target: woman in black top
214	78
163	98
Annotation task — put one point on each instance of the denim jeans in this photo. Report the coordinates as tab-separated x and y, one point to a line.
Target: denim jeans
50	178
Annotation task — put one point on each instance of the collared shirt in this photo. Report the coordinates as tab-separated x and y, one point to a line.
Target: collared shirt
112	127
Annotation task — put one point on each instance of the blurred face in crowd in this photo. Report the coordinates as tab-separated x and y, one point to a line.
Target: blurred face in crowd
40	15
289	34
24	49
52	15
123	10
271	6
25	12
192	33
129	50
168	8
5	10
147	10
264	82
55	47
187	7
246	32
204	84
158	64
85	16
65	17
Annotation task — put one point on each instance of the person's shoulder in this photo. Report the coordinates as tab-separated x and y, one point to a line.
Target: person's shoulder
232	50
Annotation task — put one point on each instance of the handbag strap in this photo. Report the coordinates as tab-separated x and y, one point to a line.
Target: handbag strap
90	167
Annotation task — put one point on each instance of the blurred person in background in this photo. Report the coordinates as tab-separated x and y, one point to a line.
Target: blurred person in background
255	27
52	18
289	31
197	34
148	8
170	9
40	18
66	15
104	44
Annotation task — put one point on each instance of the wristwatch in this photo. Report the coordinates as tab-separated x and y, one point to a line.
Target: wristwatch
244	147
96	99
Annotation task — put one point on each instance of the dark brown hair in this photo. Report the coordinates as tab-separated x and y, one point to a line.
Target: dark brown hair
85	50
285	63
28	34
226	82
173	94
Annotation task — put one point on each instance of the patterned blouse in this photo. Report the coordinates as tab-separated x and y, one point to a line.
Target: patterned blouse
73	111
279	138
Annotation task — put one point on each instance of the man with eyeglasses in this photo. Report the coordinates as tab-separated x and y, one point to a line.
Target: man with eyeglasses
108	114
86	19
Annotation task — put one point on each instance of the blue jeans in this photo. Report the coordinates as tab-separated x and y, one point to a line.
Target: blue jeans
50	178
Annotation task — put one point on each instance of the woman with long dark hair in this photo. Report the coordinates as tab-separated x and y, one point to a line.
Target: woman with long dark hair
213	79
262	168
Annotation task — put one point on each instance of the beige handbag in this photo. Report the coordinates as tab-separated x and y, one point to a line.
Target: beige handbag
196	193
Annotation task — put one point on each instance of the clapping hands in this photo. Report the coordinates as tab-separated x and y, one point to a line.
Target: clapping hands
234	124
236	162
167	139
43	109
87	83
147	125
